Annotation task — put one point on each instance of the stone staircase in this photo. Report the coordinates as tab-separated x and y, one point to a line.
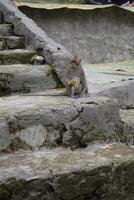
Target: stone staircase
17	74
12	47
35	131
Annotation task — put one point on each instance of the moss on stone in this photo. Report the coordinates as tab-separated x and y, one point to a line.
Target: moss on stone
4	193
93	137
49	70
16	57
11	187
120	135
5	79
89	183
17	144
33	58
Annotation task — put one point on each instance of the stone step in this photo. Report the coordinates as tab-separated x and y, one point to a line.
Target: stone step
45	120
26	78
12	42
127	116
99	172
2	45
1	18
6	29
17	56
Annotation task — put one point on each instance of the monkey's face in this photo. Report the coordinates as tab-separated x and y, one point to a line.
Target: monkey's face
74	65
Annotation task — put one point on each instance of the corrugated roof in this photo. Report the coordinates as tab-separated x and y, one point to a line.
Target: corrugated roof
71	6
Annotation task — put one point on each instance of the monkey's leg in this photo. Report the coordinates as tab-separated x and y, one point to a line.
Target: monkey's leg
72	91
68	90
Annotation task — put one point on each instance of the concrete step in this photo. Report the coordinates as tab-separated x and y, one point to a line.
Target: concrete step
17	56
99	172
12	42
6	29
46	120
26	78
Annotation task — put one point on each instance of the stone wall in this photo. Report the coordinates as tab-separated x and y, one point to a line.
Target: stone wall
98	35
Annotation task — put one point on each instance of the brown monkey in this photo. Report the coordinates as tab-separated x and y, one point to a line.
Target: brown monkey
76	84
75	81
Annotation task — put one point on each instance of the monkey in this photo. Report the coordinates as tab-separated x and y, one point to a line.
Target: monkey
75	80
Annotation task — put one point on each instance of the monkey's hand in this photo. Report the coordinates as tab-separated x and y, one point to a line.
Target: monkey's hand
72	82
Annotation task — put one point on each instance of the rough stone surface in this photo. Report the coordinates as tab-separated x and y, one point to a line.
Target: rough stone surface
38	60
5	29
97	172
55	54
1	18
13	42
100	171
2	45
16	56
127	116
122	91
107	34
26	78
57	121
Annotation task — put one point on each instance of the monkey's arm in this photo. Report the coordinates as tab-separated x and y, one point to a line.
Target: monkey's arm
84	82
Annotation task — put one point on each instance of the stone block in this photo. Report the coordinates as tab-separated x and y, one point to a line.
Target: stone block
26	78
64	174
60	121
17	56
5	29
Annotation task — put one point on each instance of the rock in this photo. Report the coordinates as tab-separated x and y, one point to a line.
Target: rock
37	60
64	121
33	136
123	92
97	172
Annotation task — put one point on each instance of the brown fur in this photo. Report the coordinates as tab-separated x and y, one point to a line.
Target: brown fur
76	84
